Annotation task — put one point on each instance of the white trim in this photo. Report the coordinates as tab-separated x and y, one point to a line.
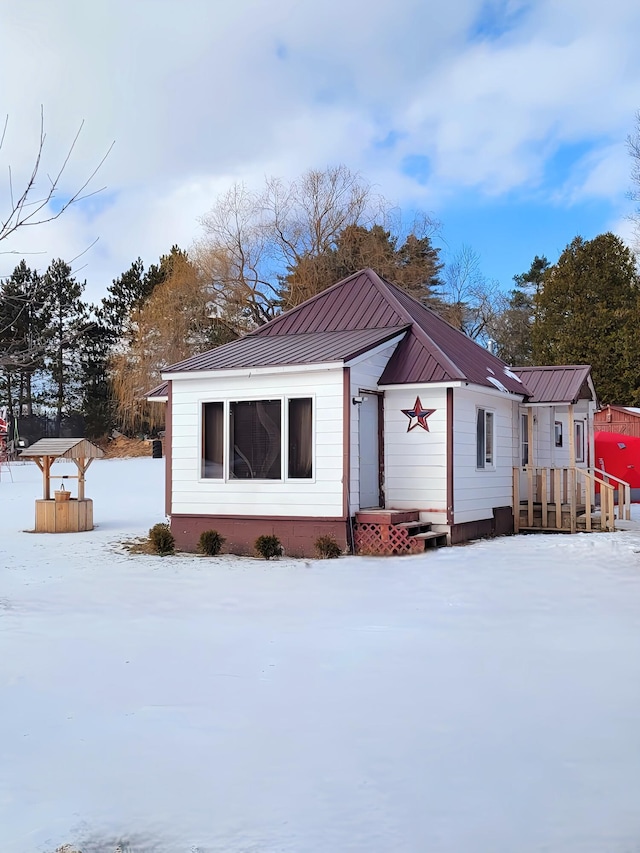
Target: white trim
420	386
254	371
375	350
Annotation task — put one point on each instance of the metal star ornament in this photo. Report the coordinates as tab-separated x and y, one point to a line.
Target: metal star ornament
418	416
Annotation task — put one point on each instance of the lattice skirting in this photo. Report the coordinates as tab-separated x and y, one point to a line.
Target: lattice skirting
385	540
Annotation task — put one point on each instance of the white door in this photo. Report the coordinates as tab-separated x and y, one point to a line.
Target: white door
369	451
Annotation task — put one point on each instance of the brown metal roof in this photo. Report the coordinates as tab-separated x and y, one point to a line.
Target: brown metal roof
433	350
63	448
289	349
159	394
562	384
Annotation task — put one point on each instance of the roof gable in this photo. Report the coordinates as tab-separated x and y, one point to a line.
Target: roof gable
561	384
431	351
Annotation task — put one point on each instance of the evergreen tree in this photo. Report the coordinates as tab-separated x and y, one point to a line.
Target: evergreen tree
414	265
587	313
513	327
68	320
23	325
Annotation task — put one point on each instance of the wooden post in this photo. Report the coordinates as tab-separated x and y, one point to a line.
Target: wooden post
572	439
530	496
47	460
557	488
543	497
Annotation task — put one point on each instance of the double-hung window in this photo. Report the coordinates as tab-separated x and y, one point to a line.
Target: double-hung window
484	439
263	439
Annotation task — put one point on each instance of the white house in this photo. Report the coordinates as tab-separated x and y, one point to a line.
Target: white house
363	399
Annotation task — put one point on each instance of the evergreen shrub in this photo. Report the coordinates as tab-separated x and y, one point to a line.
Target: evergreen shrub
162	540
210	543
268	547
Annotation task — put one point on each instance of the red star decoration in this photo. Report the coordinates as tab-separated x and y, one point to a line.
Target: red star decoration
417	416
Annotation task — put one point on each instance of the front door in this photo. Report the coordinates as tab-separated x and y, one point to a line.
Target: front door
369	451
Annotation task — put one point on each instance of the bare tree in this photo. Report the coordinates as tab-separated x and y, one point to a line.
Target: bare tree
31	205
253	238
471	300
633	146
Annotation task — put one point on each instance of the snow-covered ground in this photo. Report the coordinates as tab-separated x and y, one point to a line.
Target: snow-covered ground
474	699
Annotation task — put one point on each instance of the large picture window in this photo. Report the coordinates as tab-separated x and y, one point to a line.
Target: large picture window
255	440
484	439
213	440
263	436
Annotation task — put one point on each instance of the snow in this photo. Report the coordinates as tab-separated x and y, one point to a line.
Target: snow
481	698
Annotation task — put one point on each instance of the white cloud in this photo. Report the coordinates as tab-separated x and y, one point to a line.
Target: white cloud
199	94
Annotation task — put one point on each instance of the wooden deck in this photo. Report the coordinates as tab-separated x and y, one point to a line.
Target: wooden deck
564	499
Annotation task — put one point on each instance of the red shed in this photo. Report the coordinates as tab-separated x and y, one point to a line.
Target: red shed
618	419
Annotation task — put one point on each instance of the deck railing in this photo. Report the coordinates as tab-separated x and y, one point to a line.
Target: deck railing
569	493
624	492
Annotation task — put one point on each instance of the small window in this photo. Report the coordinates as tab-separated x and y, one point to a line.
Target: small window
484	439
579	428
212	440
255	440
300	462
524	438
558	433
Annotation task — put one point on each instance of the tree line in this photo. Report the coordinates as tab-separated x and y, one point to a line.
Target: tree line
264	252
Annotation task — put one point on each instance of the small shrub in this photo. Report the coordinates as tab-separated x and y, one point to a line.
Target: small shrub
162	539
210	543
268	547
327	548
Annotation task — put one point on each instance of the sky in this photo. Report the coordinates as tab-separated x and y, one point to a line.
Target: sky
505	120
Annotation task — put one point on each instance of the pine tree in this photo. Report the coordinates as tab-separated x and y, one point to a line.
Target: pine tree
587	313
68	320
23	325
513	327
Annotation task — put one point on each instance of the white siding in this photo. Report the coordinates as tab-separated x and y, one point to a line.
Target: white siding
364	375
581	412
416	461
477	491
321	497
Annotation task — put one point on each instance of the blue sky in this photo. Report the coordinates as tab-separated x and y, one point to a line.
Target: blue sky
505	120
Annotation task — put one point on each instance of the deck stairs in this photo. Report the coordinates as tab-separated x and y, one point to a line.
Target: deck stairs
388	532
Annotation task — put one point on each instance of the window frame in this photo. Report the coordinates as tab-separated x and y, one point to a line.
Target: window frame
283	399
557	433
578	438
488	415
524	439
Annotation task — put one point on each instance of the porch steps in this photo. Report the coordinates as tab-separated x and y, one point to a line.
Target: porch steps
393	532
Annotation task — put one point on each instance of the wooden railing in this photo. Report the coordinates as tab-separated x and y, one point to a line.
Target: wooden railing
568	493
624	493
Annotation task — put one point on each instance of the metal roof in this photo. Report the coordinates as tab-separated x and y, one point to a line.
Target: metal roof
159	394
289	349
63	448
562	384
357	306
